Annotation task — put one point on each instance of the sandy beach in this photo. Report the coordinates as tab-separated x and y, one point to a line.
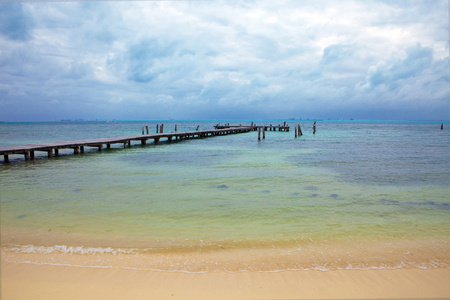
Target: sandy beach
29	281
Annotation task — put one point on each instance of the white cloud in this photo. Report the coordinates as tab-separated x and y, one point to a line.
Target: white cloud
200	59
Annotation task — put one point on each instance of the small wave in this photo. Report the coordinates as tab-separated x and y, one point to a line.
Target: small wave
144	261
63	249
320	268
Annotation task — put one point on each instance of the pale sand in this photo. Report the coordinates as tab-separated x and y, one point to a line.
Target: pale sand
29	281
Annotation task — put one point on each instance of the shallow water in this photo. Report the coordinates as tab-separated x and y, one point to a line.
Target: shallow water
351	181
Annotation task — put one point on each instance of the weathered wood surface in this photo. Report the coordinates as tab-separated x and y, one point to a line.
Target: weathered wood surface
28	150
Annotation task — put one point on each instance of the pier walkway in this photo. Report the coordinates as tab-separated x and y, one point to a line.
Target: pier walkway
258	127
78	146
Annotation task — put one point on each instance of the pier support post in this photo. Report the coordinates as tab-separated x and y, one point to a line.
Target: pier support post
143	142
175	127
27	155
6	158
100	147
156	140
50	153
81	149
197	127
299	130
295	134
146	127
56	151
157	128
31	155
314	128
264	132
161	129
108	146
129	143
76	150
124	145
142	130
169	138
259	133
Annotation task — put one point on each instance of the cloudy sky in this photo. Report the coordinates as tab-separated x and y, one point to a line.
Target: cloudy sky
254	59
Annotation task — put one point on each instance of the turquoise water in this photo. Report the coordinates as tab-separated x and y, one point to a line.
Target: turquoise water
349	181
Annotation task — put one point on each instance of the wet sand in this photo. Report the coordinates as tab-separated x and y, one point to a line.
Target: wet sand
30	281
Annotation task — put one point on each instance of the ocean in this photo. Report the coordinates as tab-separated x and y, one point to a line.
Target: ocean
354	195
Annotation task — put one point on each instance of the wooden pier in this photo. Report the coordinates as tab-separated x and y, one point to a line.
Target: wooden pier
258	127
52	149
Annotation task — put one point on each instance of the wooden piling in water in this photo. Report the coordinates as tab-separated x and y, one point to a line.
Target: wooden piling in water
78	146
161	129
295	134
146	127
314	128
264	132
299	130
157	128
142	130
197	127
175	127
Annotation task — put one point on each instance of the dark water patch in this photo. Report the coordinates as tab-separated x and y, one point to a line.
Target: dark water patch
380	154
295	194
241	190
314	195
311	188
220	187
77	191
334	196
21	216
265	191
389	201
433	204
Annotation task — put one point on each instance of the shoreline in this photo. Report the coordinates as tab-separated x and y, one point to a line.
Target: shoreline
28	281
323	255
